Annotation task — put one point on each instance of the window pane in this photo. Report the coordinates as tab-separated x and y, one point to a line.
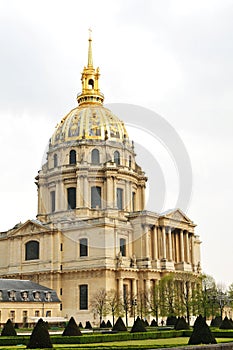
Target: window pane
32	250
95	156
133	201
96	197
55	160
72	157
52	194
71	197
123	246
119	198
83	247
117	158
83	297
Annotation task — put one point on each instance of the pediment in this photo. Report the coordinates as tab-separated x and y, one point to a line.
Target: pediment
29	227
177	215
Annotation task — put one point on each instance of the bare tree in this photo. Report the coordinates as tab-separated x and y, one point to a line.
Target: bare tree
99	304
114	304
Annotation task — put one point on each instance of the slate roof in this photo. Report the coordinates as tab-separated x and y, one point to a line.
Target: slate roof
12	290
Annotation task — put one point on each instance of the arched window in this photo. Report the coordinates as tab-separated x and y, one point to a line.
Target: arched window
71	197
55	160
117	158
72	157
95	156
96	197
32	250
91	84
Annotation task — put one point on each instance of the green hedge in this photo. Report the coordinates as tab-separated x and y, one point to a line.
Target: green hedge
17	340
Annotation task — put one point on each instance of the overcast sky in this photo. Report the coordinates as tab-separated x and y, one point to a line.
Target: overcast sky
172	57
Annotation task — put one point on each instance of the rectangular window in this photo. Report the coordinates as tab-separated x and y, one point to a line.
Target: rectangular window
125	292
60	291
71	194
48	313
133	201
83	297
83	247
123	246
37	313
60	307
120	198
61	247
53	201
96	197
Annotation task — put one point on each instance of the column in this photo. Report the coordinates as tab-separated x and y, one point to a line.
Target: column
187	247
114	194
181	246
78	193
127	196
120	288
134	288
192	249
155	243
142	197
147	288
163	242
85	191
147	243
170	244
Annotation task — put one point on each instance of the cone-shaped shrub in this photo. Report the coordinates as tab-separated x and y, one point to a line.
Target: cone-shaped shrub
171	321
103	324
181	324
226	324
201	333
119	326
138	326
8	329
108	324
80	325
40	338
146	323
216	322
154	323
71	328
88	325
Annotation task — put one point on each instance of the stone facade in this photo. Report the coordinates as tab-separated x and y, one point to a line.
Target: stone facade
92	230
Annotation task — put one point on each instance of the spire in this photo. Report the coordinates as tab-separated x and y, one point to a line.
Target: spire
90	81
90	59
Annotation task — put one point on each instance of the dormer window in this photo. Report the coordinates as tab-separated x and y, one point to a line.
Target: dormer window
36	296
12	295
48	296
24	296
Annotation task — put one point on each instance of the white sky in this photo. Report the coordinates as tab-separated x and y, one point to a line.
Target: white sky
173	57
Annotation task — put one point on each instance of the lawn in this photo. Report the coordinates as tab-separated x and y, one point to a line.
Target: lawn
131	344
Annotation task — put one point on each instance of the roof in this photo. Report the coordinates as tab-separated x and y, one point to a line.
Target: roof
25	290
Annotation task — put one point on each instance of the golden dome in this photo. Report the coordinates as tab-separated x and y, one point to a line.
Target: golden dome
92	122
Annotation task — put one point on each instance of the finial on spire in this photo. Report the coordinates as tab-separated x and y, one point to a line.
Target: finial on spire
90	59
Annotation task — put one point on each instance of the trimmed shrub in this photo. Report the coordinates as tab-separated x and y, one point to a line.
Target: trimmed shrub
154	323
119	326
171	320
8	329
226	324
88	325
103	324
40	338
71	329
181	324
108	324
201	333
146	323
80	325
138	326
215	322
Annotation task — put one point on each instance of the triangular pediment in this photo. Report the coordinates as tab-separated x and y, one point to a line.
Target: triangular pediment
28	227
177	215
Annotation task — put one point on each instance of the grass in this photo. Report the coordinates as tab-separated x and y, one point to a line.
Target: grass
131	344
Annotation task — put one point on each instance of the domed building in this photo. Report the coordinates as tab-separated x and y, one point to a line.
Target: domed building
92	231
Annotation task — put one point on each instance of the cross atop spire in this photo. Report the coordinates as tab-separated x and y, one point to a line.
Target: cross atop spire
90	81
90	59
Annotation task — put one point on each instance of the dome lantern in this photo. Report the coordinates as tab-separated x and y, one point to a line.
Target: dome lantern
90	81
